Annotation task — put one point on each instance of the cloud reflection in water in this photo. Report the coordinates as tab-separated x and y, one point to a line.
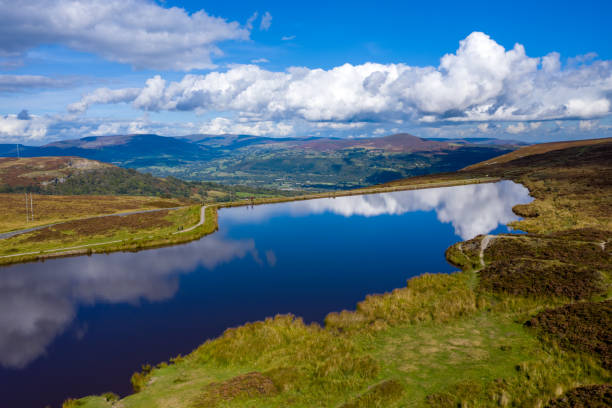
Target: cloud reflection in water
39	301
471	209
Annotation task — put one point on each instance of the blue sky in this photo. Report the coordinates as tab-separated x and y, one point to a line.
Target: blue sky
346	69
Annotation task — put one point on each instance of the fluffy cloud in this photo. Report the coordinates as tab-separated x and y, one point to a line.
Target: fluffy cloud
481	82
23	127
221	126
105	96
136	32
516	128
588	125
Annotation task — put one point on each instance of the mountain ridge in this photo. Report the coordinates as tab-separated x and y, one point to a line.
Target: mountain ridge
312	163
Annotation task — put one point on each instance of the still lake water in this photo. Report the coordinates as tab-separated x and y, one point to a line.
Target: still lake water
77	326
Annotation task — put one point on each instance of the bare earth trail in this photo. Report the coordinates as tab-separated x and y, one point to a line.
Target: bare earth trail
483	245
67	251
202	219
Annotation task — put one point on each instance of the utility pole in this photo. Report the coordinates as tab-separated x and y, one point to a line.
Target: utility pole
27	212
32	206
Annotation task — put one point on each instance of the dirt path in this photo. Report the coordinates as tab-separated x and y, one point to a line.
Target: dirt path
202	219
483	245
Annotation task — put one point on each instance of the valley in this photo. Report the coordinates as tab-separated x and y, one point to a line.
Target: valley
306	164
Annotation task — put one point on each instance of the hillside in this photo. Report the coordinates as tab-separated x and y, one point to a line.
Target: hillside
78	176
41	171
540	148
287	163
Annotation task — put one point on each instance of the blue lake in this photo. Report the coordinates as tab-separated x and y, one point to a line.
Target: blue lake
77	326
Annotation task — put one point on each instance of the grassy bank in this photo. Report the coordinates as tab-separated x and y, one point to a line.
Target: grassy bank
489	335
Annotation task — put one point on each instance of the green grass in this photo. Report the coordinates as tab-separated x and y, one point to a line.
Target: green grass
481	359
106	240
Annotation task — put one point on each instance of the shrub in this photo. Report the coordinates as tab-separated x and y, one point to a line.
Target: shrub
583	327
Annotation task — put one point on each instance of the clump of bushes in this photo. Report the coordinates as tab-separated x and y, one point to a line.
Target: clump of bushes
249	385
583	234
429	297
71	403
526	277
563	250
140	379
317	359
590	396
465	255
583	327
526	210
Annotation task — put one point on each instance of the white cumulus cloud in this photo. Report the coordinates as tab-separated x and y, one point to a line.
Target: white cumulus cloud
516	128
136	32
480	82
28	128
221	126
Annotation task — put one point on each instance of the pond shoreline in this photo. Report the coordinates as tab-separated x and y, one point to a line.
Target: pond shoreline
208	227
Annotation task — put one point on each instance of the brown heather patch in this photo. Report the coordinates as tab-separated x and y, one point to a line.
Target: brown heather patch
562	250
103	225
32	171
583	234
526	277
249	385
55	208
583	327
590	396
571	264
45	234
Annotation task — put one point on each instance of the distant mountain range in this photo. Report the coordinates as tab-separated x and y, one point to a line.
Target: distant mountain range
292	163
